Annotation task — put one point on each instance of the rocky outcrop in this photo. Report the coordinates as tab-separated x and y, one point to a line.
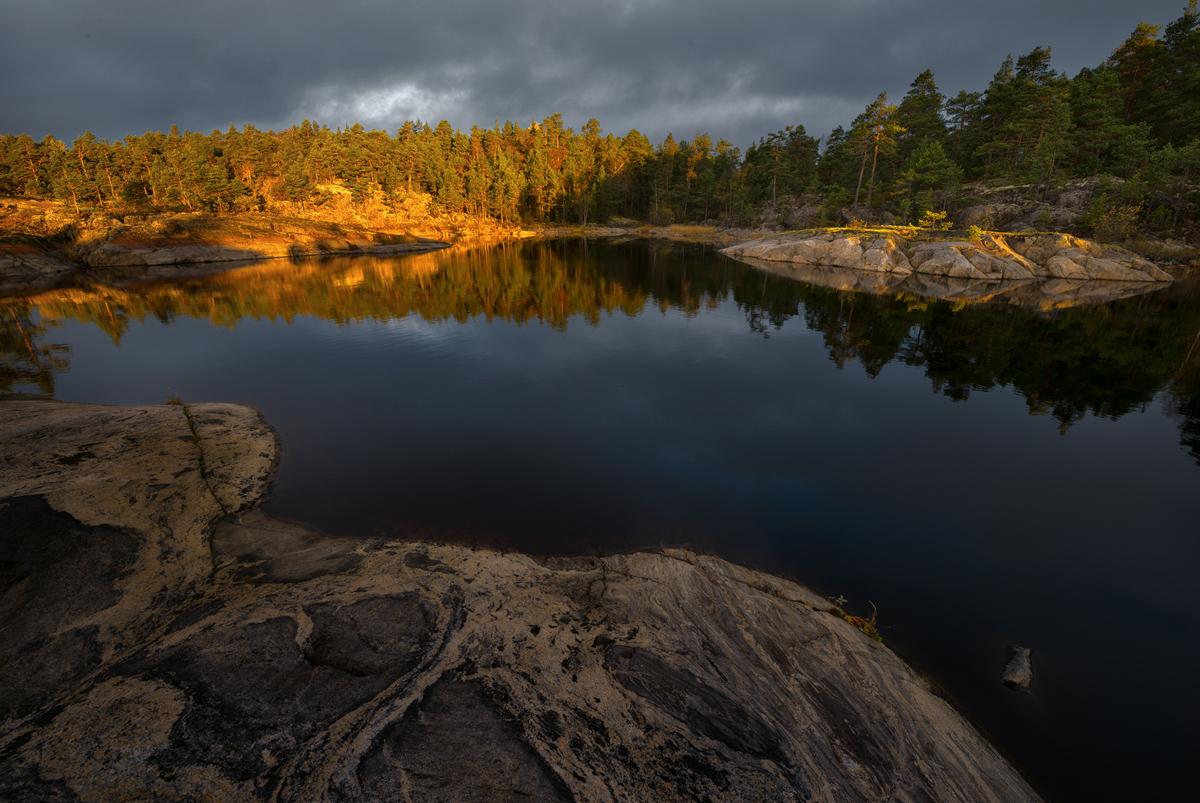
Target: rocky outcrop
1014	209
1042	294
998	256
965	260
1020	216
29	261
1065	257
126	252
166	640
880	253
25	266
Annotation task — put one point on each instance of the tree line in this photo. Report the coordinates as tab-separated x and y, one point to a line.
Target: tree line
1134	118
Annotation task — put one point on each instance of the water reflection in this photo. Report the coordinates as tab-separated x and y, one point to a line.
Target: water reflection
1065	357
26	358
557	397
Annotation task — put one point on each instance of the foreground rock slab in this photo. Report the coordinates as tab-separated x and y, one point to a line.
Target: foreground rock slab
168	640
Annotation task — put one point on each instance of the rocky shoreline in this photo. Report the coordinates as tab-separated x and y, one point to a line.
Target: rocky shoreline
31	262
1038	270
46	246
994	257
167	639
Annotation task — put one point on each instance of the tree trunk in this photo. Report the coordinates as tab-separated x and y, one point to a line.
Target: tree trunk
1183	188
861	170
871	183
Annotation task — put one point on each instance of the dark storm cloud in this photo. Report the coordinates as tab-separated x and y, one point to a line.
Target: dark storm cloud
736	70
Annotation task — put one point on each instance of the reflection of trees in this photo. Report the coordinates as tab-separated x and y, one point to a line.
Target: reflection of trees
1185	398
24	360
549	283
1105	359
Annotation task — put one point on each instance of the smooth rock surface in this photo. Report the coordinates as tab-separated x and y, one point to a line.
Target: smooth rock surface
157	649
1045	294
1067	257
883	254
997	257
1042	265
964	260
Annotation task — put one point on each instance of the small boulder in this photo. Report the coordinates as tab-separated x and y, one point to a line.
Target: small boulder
1018	669
1076	200
804	218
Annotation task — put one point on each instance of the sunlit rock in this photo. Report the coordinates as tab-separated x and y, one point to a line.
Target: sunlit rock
1067	257
1008	260
881	253
966	260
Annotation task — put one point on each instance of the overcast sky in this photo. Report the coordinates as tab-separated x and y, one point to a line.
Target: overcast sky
736	70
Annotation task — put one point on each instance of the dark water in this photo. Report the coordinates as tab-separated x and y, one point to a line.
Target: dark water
982	474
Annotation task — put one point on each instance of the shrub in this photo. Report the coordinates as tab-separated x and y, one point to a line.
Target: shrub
1117	222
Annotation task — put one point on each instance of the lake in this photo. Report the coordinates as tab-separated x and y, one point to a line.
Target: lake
979	473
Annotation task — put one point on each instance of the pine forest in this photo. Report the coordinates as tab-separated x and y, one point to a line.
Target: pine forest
1131	123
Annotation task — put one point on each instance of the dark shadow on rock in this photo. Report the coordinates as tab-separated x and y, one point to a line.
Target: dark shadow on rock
250	688
259	548
455	746
371	636
43	552
702	708
23	784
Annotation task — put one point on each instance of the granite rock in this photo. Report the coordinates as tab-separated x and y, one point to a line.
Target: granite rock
1050	270
1018	669
172	642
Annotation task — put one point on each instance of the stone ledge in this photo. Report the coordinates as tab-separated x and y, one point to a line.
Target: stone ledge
997	257
157	650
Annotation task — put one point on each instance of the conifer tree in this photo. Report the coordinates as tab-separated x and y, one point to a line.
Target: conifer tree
920	115
874	130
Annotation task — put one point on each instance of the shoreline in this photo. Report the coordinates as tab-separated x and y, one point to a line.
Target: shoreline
217	655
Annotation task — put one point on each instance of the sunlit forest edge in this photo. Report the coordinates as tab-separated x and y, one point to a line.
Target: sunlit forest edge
1130	128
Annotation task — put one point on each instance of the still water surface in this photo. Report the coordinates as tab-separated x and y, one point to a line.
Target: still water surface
982	474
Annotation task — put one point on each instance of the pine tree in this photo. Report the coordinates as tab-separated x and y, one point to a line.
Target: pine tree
920	114
874	130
